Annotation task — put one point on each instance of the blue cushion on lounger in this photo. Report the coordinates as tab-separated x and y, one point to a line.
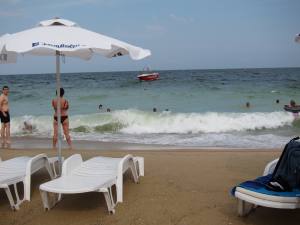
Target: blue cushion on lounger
259	185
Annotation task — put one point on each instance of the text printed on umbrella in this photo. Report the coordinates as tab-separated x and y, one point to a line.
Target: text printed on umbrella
35	44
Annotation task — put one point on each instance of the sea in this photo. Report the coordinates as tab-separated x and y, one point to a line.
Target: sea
194	108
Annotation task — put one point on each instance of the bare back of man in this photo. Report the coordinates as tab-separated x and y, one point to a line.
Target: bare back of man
5	118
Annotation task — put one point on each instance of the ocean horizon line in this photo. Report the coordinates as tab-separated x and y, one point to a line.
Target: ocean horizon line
157	70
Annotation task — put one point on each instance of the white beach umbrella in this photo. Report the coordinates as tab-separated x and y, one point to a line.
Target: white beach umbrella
62	37
4	56
297	38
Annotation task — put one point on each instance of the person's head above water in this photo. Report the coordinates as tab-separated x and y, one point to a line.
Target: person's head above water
62	92
247	104
277	101
292	103
154	109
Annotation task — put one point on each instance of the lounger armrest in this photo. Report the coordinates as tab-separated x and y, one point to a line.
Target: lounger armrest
34	164
125	163
270	167
71	163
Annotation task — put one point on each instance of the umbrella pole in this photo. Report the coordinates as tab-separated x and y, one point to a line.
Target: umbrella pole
59	136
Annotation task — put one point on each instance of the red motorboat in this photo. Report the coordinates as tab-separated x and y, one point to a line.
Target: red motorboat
148	76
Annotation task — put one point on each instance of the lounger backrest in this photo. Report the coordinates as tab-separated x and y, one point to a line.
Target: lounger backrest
269	169
71	163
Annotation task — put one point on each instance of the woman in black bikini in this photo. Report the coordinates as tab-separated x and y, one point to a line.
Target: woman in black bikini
64	118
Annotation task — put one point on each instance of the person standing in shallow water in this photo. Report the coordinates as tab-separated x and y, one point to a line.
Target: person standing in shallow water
5	118
64	119
295	114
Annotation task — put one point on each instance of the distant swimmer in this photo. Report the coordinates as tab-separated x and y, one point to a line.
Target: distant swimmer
100	107
292	103
293	108
108	110
248	104
154	110
277	101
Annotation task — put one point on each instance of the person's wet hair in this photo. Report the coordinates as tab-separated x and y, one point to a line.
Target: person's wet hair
62	92
292	103
5	87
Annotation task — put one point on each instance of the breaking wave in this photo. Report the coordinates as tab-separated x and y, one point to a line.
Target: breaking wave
133	121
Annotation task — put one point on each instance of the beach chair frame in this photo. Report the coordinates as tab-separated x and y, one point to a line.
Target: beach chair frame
249	200
30	166
74	167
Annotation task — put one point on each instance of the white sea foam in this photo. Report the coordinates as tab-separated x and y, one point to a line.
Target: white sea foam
137	122
141	122
209	129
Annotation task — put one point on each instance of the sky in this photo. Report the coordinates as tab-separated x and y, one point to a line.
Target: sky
190	34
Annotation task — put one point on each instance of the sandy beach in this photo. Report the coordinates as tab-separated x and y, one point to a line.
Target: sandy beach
180	187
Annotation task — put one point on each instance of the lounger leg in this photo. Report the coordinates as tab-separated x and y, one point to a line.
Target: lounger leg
52	172
59	197
10	199
244	208
109	200
47	202
16	193
14	204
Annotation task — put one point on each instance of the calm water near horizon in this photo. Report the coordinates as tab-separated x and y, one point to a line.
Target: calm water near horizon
206	108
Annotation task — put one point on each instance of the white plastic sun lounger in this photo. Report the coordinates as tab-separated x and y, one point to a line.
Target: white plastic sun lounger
19	169
97	174
251	194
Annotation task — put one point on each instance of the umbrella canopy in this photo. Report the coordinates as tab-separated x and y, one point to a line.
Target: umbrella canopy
70	40
62	37
4	56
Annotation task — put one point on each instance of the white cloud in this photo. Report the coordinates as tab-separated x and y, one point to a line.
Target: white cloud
181	19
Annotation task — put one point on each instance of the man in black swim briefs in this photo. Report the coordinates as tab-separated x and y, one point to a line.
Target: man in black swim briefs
5	118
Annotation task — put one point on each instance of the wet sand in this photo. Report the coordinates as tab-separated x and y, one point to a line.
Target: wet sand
180	187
